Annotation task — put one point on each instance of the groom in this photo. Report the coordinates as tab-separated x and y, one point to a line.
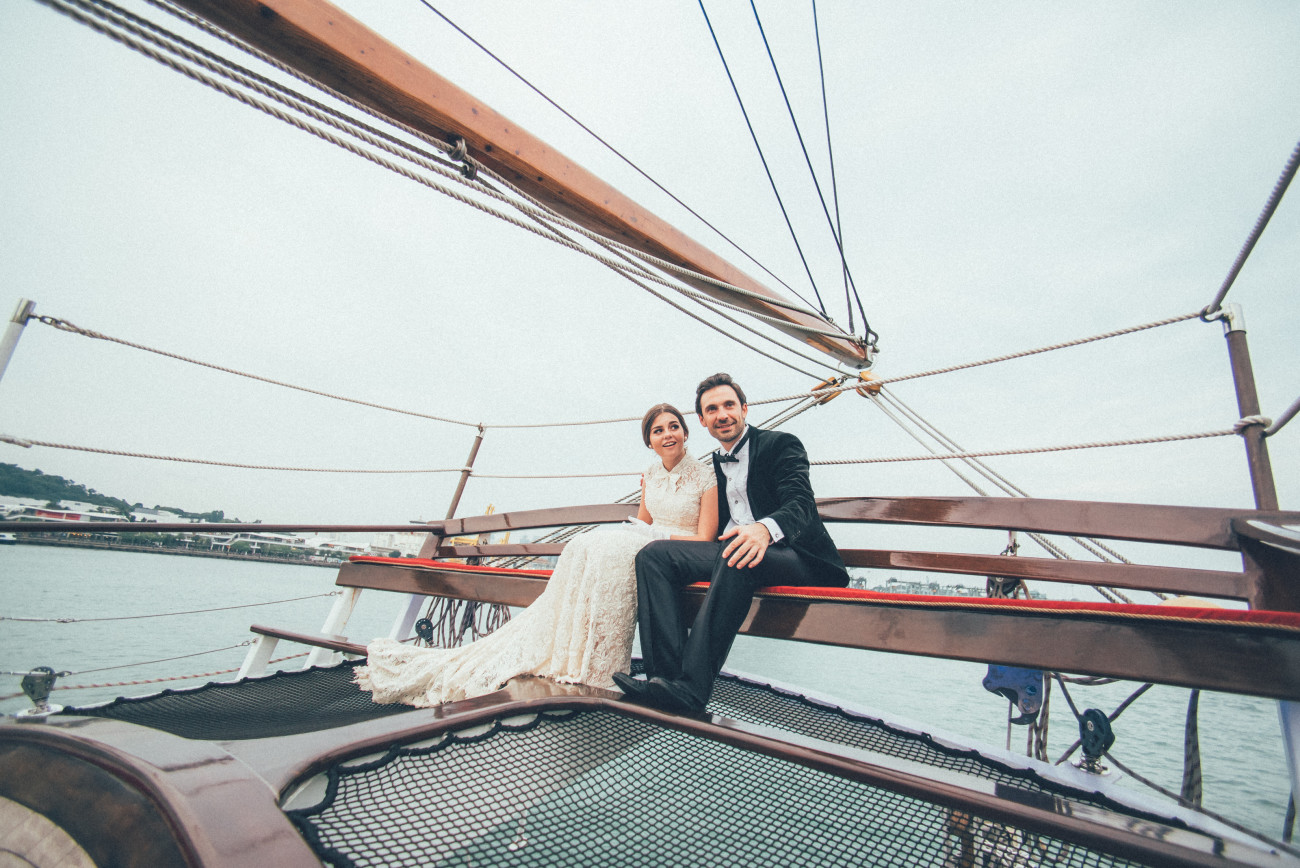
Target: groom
771	535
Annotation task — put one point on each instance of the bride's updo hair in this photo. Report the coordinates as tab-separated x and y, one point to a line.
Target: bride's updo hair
653	413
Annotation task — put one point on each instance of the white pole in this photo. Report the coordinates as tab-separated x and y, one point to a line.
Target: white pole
25	311
1289	714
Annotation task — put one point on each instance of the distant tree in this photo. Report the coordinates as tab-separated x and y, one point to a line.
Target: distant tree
17	482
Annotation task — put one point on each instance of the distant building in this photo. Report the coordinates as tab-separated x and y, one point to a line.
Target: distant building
159	516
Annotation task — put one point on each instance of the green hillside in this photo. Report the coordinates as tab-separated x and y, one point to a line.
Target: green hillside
17	482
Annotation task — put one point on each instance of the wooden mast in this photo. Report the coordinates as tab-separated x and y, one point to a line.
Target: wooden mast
325	43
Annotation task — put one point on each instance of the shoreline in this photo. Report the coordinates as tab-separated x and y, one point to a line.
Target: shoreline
161	550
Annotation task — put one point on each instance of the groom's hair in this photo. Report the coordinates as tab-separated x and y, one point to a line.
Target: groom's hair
712	383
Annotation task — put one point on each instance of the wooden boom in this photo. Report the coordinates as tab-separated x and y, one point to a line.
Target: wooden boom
328	45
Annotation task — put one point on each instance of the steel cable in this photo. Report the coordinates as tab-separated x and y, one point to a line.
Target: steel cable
821	198
611	148
820	304
166	614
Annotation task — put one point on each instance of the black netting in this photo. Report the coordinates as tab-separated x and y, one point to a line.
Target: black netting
285	703
745	700
598	788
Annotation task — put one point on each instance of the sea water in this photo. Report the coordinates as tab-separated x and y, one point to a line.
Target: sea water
1244	766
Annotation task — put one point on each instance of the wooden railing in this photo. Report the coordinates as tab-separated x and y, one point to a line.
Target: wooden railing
1224	652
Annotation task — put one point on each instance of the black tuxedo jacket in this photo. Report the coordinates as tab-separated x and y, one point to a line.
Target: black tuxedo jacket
779	489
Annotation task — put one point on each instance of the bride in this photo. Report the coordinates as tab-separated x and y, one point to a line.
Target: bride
580	629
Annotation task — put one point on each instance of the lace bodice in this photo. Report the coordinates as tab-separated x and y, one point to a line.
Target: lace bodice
673	496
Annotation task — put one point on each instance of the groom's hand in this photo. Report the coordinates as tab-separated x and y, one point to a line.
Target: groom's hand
748	546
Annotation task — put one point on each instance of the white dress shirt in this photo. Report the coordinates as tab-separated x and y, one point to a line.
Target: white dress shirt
737	493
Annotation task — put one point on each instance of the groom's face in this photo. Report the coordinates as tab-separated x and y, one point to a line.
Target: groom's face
723	414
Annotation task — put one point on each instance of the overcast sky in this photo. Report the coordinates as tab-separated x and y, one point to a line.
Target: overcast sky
1009	174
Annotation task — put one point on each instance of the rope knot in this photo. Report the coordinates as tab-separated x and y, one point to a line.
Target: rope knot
1240	426
460	154
16	441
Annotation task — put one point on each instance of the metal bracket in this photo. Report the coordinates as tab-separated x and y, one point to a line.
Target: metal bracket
37	684
1233	319
1095	737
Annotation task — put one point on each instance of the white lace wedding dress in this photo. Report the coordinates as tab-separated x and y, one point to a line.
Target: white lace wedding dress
578	631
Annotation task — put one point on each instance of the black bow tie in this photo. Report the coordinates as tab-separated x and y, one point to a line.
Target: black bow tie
728	457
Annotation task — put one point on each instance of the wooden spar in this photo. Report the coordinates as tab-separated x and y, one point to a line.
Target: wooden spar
326	44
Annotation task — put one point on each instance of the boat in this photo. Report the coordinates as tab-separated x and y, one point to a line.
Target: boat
295	768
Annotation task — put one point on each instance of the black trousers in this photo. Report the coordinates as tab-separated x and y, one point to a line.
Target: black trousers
664	567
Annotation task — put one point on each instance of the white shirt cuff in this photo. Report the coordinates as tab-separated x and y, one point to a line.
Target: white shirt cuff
773	528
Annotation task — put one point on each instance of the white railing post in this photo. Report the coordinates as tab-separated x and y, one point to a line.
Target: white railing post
1289	715
26	310
257	658
335	622
415	602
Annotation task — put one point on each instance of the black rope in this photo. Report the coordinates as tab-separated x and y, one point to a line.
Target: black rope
830	157
820	304
589	131
839	244
867	331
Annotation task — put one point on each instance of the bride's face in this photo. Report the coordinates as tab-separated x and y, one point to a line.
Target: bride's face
667	439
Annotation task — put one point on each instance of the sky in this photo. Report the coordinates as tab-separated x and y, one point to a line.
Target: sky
1009	175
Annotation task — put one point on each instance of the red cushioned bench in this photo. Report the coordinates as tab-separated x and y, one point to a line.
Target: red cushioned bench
1255	651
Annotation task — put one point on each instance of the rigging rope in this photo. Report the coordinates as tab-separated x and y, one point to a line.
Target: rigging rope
243	644
830	462
835	192
821	305
998	479
885	381
1279	189
611	148
822	392
406	154
165	614
18	441
149	680
839	245
627	273
1136	441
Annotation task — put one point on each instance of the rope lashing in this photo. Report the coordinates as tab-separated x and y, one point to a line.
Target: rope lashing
165	614
1240	426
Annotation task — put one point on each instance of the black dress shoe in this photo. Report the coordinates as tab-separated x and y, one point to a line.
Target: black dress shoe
634	688
670	696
